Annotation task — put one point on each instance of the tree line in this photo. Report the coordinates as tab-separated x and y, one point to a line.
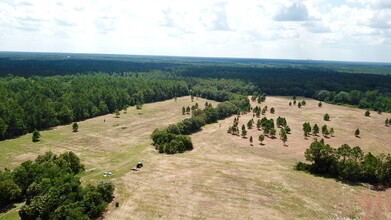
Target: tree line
347	163
51	189
44	102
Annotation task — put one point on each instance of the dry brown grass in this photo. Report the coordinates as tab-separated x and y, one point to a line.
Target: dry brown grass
223	177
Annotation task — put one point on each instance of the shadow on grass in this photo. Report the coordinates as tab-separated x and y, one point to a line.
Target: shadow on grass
7	208
372	186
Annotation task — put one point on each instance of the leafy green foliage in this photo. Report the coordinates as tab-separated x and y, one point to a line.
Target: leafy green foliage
326	117
36	136
75	127
174	138
347	163
63	99
52	189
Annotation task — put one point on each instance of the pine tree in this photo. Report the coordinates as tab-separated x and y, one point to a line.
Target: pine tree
272	110
244	132
261	137
250	124
320	104
188	110
183	110
331	132
326	117
36	135
290	103
387	122
251	140
75	127
367	113
325	130
299	105
259	124
357	132
284	138
315	130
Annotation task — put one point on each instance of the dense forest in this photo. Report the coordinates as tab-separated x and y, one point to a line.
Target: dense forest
51	189
39	92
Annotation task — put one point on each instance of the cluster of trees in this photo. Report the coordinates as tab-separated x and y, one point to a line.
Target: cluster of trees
234	129
257	111
315	130
43	102
175	139
259	97
267	126
51	189
347	163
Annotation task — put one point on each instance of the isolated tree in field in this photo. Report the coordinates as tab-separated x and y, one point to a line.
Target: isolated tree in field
273	132
294	102
183	110
299	105
188	110
325	130
320	104
36	135
75	127
326	117
386	122
117	113
290	103
284	138
250	124
261	137
283	135
367	113
303	103
196	105
306	129
315	130
251	140
357	132
331	132
272	110
244	132
192	98
259	124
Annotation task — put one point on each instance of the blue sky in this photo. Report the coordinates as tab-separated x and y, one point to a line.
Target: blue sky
351	30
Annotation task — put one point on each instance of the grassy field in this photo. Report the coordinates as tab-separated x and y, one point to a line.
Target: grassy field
223	177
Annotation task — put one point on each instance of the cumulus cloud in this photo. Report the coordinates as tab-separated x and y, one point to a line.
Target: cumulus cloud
231	28
294	12
219	17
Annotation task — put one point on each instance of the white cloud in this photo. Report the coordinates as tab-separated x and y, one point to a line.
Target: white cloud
321	29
